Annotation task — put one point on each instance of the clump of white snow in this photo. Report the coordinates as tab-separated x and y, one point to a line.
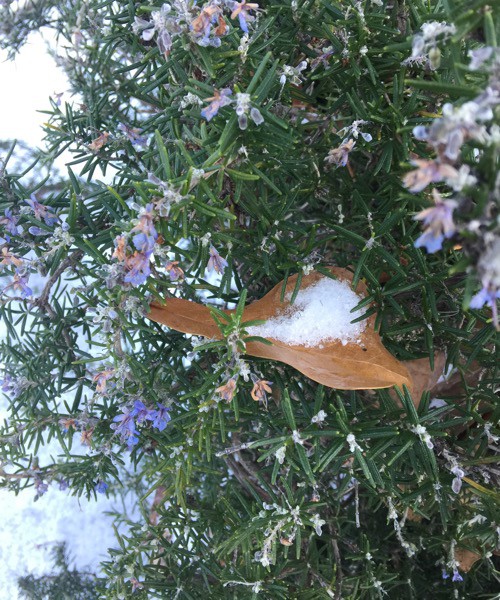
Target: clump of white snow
321	313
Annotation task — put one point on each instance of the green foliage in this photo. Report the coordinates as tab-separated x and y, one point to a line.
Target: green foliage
322	493
64	584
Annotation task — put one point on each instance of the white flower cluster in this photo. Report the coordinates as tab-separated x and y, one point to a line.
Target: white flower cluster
243	106
319	417
425	44
318	523
292	74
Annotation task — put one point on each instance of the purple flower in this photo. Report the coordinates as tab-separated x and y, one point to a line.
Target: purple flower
160	417
134	136
485	296
57	97
63	485
456	576
242	11
201	26
34	230
143	242
20	284
439	223
138	267
145	232
174	271
428	171
217	101
42	213
124	425
339	156
444	574
216	261
7	384
162	23
10	222
101	487
40	487
140	412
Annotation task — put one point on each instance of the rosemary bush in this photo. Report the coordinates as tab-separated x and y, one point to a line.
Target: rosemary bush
242	143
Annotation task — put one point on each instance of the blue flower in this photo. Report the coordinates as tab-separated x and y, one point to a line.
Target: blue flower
456	576
160	417
217	101
41	211
40	487
34	230
430	241
101	487
144	243
139	268
438	220
485	296
134	135
242	11
140	412
10	222
20	284
124	425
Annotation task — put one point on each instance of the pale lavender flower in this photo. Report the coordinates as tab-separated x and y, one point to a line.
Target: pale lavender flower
489	269
243	106
101	487
40	487
354	131
201	26
242	11
159	417
293	74
140	412
124	425
217	101
174	271
163	23
339	156
134	136
20	284
439	224
456	484
10	386
138	268
459	124
428	171
456	576
10	222
37	231
216	262
479	56
42	213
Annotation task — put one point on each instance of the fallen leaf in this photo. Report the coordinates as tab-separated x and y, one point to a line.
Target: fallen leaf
367	365
423	379
466	559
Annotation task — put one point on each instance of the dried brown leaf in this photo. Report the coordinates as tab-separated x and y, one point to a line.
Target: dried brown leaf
367	365
466	559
